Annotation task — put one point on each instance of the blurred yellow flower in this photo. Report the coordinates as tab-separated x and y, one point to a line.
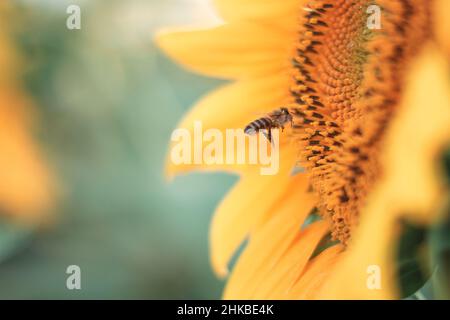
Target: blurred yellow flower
25	182
371	117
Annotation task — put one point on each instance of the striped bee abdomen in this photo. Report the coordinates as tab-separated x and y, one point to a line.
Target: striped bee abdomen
259	124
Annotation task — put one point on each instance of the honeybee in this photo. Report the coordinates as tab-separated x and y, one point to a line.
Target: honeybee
275	119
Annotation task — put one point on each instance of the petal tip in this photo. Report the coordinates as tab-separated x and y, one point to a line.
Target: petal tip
219	268
161	39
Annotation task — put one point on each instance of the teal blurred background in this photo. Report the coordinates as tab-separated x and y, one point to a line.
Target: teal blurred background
107	102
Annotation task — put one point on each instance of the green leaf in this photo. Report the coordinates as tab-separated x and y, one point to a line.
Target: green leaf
410	266
440	254
446	163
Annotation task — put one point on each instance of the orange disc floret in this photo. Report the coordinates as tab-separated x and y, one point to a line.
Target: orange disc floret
348	79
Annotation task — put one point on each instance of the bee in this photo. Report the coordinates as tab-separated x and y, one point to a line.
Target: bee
275	119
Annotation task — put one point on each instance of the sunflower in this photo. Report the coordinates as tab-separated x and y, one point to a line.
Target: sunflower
25	182
371	110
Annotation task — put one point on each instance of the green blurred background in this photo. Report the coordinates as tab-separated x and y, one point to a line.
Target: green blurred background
107	103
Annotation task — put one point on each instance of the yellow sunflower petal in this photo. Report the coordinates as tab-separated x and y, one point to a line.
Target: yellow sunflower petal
315	275
373	249
267	245
282	13
418	137
230	107
282	276
244	206
238	50
25	184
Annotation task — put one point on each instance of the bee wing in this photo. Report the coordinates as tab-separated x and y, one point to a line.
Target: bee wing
260	114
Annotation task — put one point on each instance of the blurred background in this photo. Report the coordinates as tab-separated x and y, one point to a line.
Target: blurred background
95	108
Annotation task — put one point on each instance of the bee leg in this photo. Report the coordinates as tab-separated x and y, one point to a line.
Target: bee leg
268	135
